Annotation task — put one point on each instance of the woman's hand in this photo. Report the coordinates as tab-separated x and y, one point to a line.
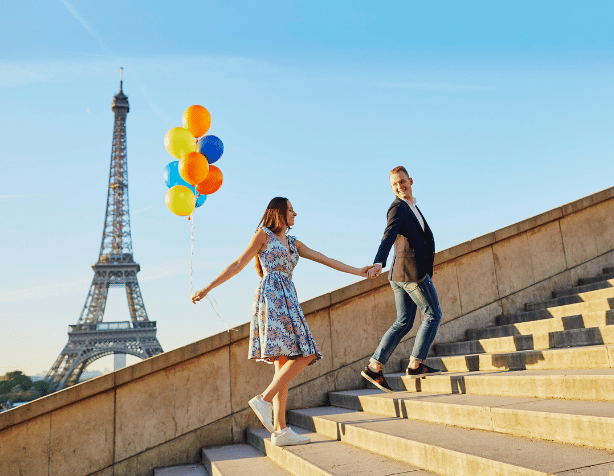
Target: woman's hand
363	271
200	294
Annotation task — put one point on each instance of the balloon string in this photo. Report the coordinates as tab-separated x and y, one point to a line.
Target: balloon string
218	312
191	252
214	306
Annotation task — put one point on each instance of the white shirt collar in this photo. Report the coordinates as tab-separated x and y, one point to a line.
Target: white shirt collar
415	211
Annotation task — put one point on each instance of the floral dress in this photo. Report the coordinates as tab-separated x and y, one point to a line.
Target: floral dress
278	326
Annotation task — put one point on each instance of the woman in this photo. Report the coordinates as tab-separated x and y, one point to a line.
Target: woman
278	332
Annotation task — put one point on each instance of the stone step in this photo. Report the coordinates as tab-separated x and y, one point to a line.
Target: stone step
452	451
243	459
608	270
565	421
327	457
184	470
596	279
507	319
560	311
580	384
595	286
583	297
593	319
538	341
590	357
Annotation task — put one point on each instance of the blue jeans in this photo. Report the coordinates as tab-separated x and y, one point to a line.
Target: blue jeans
408	297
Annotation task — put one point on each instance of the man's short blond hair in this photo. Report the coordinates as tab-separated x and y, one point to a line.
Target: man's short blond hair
398	169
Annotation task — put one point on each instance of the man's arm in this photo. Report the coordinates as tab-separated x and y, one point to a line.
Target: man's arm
395	218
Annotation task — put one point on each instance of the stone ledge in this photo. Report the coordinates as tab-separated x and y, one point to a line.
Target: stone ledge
112	380
56	400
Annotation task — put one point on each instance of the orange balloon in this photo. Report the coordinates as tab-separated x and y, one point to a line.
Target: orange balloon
197	120
212	183
193	167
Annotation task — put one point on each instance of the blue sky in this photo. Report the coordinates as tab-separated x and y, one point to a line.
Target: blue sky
500	110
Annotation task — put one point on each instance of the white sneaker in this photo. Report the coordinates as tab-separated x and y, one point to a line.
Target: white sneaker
288	437
264	412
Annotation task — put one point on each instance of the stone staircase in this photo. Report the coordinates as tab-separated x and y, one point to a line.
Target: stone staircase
532	395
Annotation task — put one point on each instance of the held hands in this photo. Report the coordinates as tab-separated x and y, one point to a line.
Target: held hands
374	271
371	271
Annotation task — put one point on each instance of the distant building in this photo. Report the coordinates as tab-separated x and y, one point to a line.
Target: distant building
119	361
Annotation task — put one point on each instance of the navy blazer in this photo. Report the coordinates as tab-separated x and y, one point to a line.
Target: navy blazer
414	247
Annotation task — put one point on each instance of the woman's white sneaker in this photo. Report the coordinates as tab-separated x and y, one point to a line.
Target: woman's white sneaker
264	412
288	437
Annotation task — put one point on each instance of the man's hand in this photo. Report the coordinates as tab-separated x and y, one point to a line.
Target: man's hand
374	271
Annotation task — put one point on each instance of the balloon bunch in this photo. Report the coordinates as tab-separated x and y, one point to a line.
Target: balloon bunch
191	178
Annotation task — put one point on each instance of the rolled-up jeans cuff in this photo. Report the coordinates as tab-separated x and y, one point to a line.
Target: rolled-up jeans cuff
415	359
373	361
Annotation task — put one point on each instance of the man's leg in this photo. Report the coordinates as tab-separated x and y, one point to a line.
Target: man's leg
406	313
425	297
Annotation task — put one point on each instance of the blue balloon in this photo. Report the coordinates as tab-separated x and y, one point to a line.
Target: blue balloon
172	176
200	199
211	147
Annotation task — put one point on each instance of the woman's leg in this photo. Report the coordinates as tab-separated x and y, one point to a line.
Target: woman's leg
279	400
277	391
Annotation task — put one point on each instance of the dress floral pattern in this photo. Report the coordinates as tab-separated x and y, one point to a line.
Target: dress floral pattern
278	326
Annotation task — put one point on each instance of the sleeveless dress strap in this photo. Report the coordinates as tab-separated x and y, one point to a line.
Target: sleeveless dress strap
292	242
268	232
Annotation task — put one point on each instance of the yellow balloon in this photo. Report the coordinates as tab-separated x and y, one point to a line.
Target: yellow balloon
180	200
179	141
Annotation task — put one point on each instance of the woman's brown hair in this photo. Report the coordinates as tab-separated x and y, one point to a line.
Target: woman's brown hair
274	219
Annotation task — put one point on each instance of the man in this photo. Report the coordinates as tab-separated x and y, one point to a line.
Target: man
410	278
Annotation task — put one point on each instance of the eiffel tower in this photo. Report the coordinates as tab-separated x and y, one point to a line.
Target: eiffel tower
91	339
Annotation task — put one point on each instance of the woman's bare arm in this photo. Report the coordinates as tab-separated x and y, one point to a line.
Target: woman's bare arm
257	242
305	252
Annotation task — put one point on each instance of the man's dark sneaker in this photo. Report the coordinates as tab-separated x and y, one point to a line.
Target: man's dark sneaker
422	371
377	379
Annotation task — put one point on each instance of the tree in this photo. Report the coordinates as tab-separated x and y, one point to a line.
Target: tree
17	377
18	387
42	387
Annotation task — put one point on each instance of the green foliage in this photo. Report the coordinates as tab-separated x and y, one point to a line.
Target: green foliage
42	386
18	387
17	378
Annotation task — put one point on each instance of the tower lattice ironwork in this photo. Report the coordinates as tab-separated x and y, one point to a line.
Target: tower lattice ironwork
91	338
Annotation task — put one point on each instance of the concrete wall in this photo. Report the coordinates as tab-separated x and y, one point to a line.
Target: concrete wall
161	411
